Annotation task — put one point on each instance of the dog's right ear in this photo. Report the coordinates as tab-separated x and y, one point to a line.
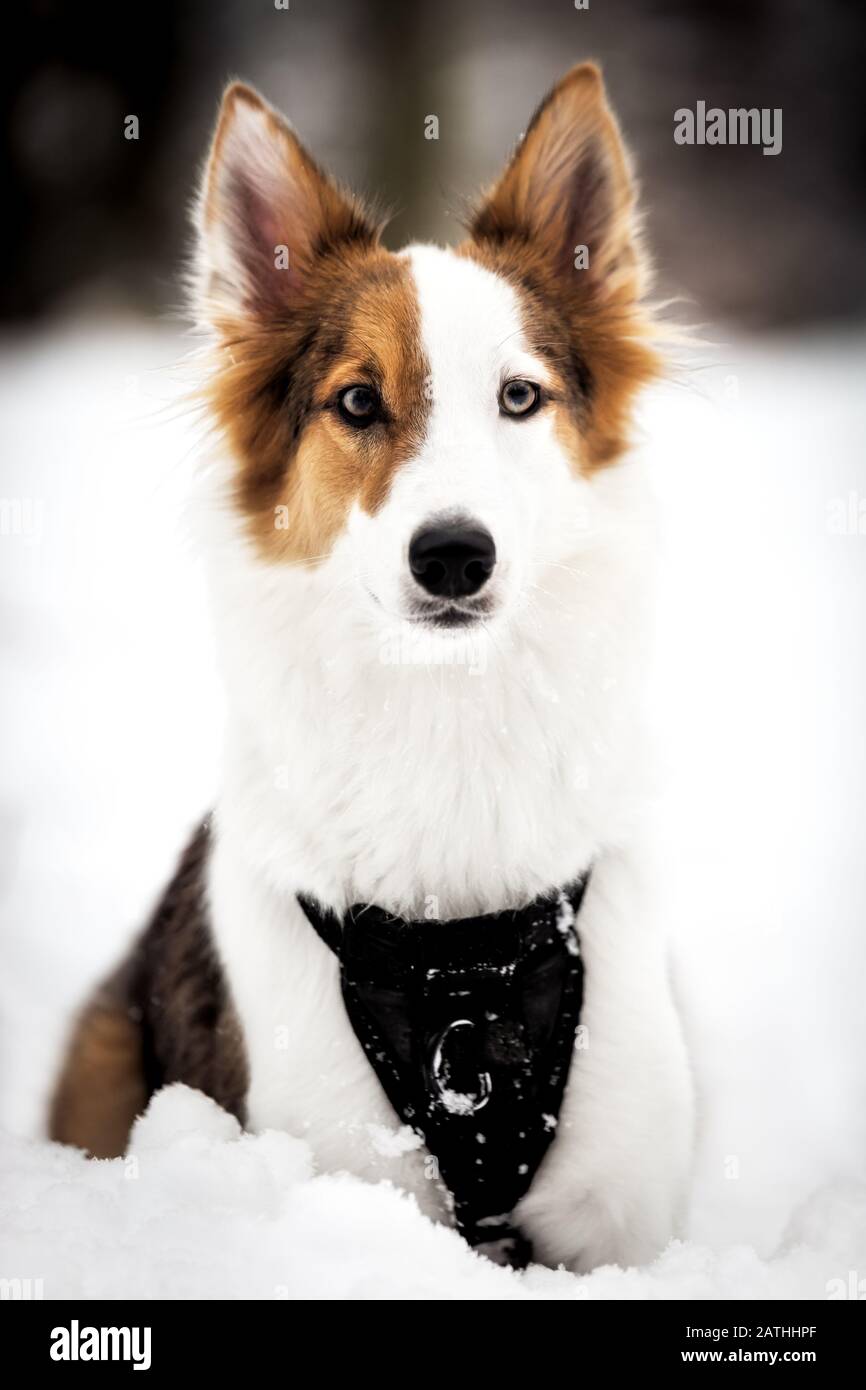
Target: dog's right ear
266	214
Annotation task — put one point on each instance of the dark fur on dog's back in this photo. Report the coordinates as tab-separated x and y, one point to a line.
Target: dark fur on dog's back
164	1016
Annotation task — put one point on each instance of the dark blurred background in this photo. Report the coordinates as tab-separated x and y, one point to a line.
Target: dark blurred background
91	218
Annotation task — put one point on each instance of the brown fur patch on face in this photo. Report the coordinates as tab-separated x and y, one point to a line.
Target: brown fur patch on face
568	186
597	352
303	302
300	465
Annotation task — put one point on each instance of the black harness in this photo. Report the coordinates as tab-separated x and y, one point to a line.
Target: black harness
469	1026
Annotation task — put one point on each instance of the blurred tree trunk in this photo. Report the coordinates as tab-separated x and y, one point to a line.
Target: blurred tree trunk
405	166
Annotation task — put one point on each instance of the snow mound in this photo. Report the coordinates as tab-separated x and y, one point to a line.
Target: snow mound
199	1209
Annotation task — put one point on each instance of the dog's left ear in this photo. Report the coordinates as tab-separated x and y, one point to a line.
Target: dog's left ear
569	187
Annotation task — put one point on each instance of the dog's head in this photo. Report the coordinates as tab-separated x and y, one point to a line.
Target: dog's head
429	422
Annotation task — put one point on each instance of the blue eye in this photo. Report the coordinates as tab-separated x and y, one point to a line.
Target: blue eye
519	398
359	405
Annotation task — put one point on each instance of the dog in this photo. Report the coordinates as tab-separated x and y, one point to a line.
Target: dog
430	548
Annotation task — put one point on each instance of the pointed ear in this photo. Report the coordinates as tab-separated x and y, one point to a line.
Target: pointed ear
265	215
569	186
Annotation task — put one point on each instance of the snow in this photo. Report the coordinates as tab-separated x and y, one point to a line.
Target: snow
565	920
458	1102
199	1210
111	726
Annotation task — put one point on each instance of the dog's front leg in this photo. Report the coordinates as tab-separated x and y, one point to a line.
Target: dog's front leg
613	1186
308	1073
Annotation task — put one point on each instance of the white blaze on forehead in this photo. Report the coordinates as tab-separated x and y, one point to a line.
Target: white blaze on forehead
471	330
474	460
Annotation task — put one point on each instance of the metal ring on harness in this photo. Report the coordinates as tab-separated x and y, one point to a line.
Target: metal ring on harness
457	1102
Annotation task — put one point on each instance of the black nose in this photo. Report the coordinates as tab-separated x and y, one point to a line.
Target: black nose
452	560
